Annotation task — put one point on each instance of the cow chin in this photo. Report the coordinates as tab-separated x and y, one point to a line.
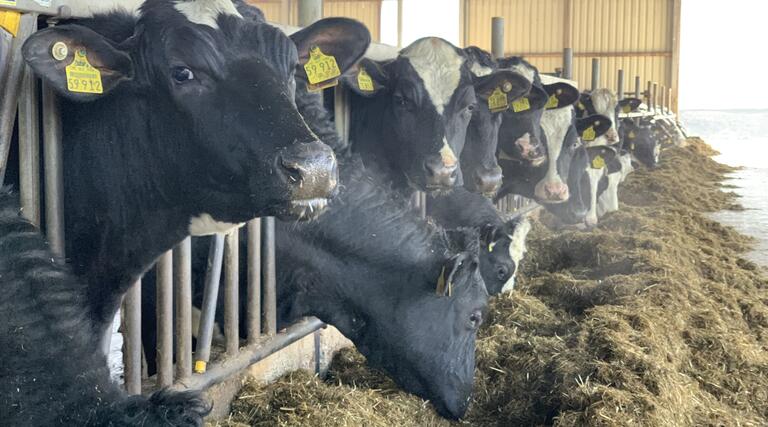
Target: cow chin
302	210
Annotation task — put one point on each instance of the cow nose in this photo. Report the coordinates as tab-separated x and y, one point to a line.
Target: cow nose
552	192
455	407
309	169
438	174
612	136
488	181
531	150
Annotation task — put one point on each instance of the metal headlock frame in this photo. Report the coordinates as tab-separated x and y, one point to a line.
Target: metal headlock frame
174	281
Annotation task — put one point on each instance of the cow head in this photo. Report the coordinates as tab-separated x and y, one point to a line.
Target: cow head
520	139
599	159
495	89
424	99
210	98
640	143
605	103
502	248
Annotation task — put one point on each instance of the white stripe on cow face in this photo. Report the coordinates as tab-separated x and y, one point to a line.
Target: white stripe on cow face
447	155
605	102
555	124
525	70
205	12
480	70
205	225
517	250
594	180
438	64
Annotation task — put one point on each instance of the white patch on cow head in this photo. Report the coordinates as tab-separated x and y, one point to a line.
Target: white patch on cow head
555	124
524	70
609	199
206	12
594	181
626	165
480	70
517	250
605	102
447	155
205	225
438	64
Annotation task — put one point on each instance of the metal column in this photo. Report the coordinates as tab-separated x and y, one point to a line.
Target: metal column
595	73
182	279
269	279
497	37
164	269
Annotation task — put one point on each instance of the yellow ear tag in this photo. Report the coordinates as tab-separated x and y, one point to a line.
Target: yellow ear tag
364	81
631	134
498	102
491	246
626	109
522	104
10	19
200	366
553	102
443	285
81	76
322	70
589	134
598	162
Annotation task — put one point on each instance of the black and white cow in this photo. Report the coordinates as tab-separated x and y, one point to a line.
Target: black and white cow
409	112
608	190
478	162
600	159
502	243
195	131
641	143
52	374
603	102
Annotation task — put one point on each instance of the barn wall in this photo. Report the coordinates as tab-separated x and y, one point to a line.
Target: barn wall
639	36
286	12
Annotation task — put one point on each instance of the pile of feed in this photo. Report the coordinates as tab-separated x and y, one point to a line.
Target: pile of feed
653	318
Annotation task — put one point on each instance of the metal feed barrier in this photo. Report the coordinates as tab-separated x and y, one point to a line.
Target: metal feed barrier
174	276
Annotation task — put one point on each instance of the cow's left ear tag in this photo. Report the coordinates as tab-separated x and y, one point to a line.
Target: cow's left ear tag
631	134
82	77
444	287
598	162
322	70
364	81
520	105
589	134
626	109
498	101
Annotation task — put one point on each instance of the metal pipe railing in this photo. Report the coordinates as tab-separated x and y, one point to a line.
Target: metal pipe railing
210	300
132	339
269	275
29	149
253	304
54	174
231	288
182	281
164	290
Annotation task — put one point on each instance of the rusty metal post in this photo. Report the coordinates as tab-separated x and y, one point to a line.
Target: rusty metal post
29	149
568	63
620	84
210	299
269	275
231	282
182	272
11	86
254	281
132	339
164	325
595	73
497	37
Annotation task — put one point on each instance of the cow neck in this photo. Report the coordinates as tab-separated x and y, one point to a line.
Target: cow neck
124	207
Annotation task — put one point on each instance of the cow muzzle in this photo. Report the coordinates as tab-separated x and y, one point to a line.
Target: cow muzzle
551	191
488	181
310	172
531	150
440	175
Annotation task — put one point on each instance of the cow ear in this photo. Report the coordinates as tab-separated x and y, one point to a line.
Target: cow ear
593	126
560	95
628	105
367	78
503	83
77	62
343	39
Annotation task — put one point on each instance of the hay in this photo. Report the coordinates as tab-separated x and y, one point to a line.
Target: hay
653	318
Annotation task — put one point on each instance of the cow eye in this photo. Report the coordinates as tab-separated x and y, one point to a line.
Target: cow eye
471	107
475	319
182	74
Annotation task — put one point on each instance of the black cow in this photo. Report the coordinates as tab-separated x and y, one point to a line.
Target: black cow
195	130
502	243
409	112
408	294
52	374
641	143
478	157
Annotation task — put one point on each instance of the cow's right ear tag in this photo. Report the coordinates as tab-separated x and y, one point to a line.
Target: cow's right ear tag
498	102
626	109
322	70
598	162
589	134
520	105
364	80
631	134
82	77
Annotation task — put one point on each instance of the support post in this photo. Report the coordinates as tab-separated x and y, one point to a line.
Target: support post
595	73
54	174
182	280
310	11
497	37
620	84
210	300
231	282
637	87
164	325
132	339
253	304
568	63
269	279
29	149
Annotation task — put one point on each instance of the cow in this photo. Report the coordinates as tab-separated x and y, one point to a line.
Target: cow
502	243
182	122
641	143
408	113
600	157
408	293
604	102
478	157
52	374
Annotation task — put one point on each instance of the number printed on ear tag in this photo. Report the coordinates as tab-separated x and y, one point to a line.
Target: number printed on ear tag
364	80
82	77
322	70
498	102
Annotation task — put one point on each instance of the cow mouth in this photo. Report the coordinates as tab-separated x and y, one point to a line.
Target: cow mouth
304	209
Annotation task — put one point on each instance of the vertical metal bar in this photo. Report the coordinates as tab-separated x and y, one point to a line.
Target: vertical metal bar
310	11
663	99
254	281
620	84
497	37
423	204
29	149
341	112
400	23
182	272
648	99
269	278
654	100
210	299
595	73
568	63
132	339
670	93
231	282
54	174
11	87
637	87
164	325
